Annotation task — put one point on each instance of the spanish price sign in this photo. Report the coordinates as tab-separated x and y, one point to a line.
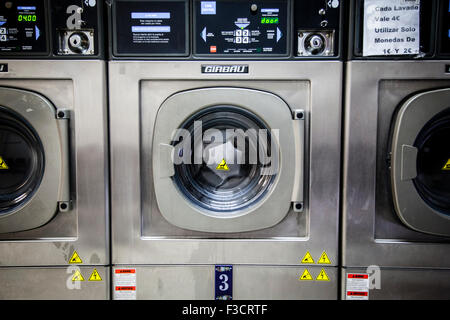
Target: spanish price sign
391	27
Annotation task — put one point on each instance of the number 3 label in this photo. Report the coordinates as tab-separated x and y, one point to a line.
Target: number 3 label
224	286
223	282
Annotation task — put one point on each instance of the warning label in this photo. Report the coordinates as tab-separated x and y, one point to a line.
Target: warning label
308	258
125	284
391	27
357	286
223	166
95	276
445	168
354	294
322	276
324	259
75	259
77	276
3	165
306	276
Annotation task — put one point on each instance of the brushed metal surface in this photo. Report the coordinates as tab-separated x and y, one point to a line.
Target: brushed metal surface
80	87
369	238
133	84
153	95
392	94
275	204
413	116
41	207
196	282
53	283
406	284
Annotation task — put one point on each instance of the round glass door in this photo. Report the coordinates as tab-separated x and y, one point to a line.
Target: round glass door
433	162
21	161
229	174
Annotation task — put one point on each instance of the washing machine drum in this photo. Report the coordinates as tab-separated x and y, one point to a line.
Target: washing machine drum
30	160
224	183
218	164
421	162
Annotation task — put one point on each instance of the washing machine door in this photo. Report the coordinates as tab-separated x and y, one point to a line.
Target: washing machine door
420	173
30	160
224	159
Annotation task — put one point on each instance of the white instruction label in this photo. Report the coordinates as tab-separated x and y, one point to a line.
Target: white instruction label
357	286
391	27
125	284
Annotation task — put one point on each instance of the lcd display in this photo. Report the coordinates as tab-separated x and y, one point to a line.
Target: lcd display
151	28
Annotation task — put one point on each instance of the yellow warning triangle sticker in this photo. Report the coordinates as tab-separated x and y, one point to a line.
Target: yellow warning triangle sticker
446	167
305	276
324	259
322	276
3	165
95	276
223	166
75	258
308	258
77	276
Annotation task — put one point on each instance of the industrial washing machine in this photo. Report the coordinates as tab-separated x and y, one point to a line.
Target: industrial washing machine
396	225
198	213
54	239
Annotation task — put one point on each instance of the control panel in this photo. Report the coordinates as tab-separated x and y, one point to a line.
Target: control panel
151	27
234	27
225	29
52	29
23	27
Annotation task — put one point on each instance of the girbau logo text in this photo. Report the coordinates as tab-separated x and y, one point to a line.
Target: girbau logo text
225	68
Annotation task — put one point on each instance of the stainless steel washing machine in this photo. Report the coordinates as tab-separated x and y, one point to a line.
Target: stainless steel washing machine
53	151
396	227
198	213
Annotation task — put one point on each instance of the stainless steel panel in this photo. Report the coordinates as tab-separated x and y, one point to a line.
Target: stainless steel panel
80	87
270	209
40	208
323	104
409	205
295	93
392	94
55	283
406	284
364	94
172	282
281	283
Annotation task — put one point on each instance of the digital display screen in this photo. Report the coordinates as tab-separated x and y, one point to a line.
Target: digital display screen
269	20
27	18
237	27
22	27
151	28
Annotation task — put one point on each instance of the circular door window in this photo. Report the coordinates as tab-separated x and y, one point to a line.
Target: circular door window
433	162
229	175
21	161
